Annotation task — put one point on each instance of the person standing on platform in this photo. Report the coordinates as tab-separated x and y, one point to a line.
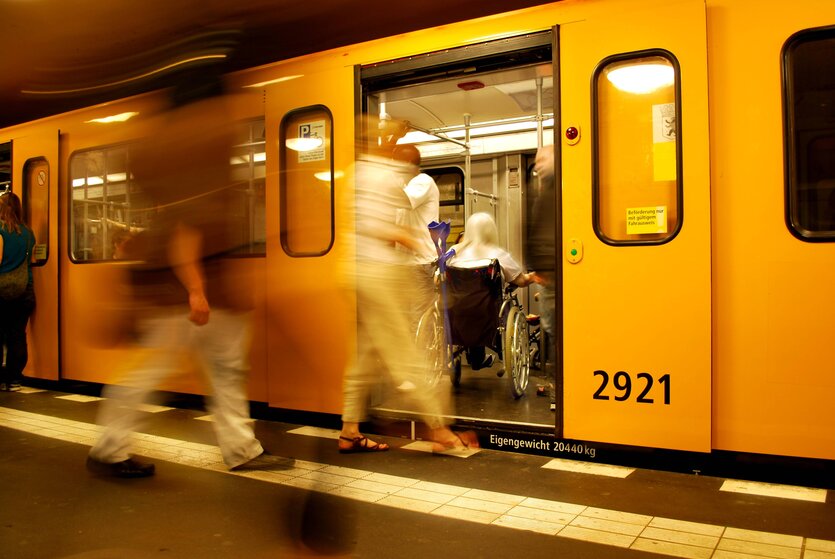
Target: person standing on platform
16	244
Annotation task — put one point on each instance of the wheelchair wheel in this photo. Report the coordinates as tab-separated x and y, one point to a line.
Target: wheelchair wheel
432	345
517	356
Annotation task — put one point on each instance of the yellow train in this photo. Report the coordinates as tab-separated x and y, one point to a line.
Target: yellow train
695	142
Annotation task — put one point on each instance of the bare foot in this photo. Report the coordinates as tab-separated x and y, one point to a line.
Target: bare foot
446	441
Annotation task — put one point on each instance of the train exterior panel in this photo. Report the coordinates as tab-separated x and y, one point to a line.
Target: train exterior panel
772	362
694	311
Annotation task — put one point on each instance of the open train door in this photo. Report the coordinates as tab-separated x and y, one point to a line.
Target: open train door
35	180
636	226
310	143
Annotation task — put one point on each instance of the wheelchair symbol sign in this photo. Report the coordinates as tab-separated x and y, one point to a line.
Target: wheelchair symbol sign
313	131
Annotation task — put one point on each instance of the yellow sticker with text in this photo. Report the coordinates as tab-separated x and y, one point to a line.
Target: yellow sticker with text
40	252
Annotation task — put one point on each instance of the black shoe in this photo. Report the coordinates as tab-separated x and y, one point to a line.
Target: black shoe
126	468
486	364
14	387
265	461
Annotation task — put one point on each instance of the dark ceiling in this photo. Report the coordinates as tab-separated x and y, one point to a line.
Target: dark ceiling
58	55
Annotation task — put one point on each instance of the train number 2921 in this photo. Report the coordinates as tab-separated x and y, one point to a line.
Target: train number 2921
622	384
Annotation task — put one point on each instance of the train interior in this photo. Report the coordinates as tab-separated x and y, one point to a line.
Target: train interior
478	120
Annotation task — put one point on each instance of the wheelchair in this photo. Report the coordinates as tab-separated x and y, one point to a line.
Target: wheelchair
480	313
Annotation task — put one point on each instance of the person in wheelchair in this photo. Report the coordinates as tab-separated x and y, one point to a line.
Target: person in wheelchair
477	249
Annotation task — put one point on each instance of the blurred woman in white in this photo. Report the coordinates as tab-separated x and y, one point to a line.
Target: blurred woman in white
383	279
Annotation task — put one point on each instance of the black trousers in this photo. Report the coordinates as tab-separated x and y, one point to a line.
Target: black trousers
14	316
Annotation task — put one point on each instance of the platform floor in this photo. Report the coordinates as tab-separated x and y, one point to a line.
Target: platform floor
406	503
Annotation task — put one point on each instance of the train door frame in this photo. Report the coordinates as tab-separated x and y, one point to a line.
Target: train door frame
536	47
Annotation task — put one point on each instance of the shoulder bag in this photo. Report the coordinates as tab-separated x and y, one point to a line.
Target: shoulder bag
13	283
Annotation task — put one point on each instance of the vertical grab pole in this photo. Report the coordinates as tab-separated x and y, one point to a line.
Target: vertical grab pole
467	158
439	233
539	128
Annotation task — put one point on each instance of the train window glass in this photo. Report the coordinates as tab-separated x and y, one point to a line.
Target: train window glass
306	181
103	196
809	89
637	149
249	180
35	201
5	166
450	181
107	204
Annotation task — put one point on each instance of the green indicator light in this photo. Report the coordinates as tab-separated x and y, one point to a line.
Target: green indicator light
573	252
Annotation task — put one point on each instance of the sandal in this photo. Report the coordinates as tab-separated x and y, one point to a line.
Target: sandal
361	444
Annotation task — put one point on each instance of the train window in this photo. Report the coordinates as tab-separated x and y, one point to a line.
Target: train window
107	203
5	166
809	92
306	181
637	149
36	205
102	197
450	181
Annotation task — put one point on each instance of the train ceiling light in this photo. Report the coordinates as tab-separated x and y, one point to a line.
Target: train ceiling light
641	78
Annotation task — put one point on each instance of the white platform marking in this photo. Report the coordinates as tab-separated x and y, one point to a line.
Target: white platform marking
316	432
79	398
426	446
152	408
820	545
774	490
588	468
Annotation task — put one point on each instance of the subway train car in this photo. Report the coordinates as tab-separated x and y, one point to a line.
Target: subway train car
694	143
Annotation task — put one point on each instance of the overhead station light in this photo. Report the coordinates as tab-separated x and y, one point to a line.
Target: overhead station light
258	157
492	128
138	77
277	80
121	117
